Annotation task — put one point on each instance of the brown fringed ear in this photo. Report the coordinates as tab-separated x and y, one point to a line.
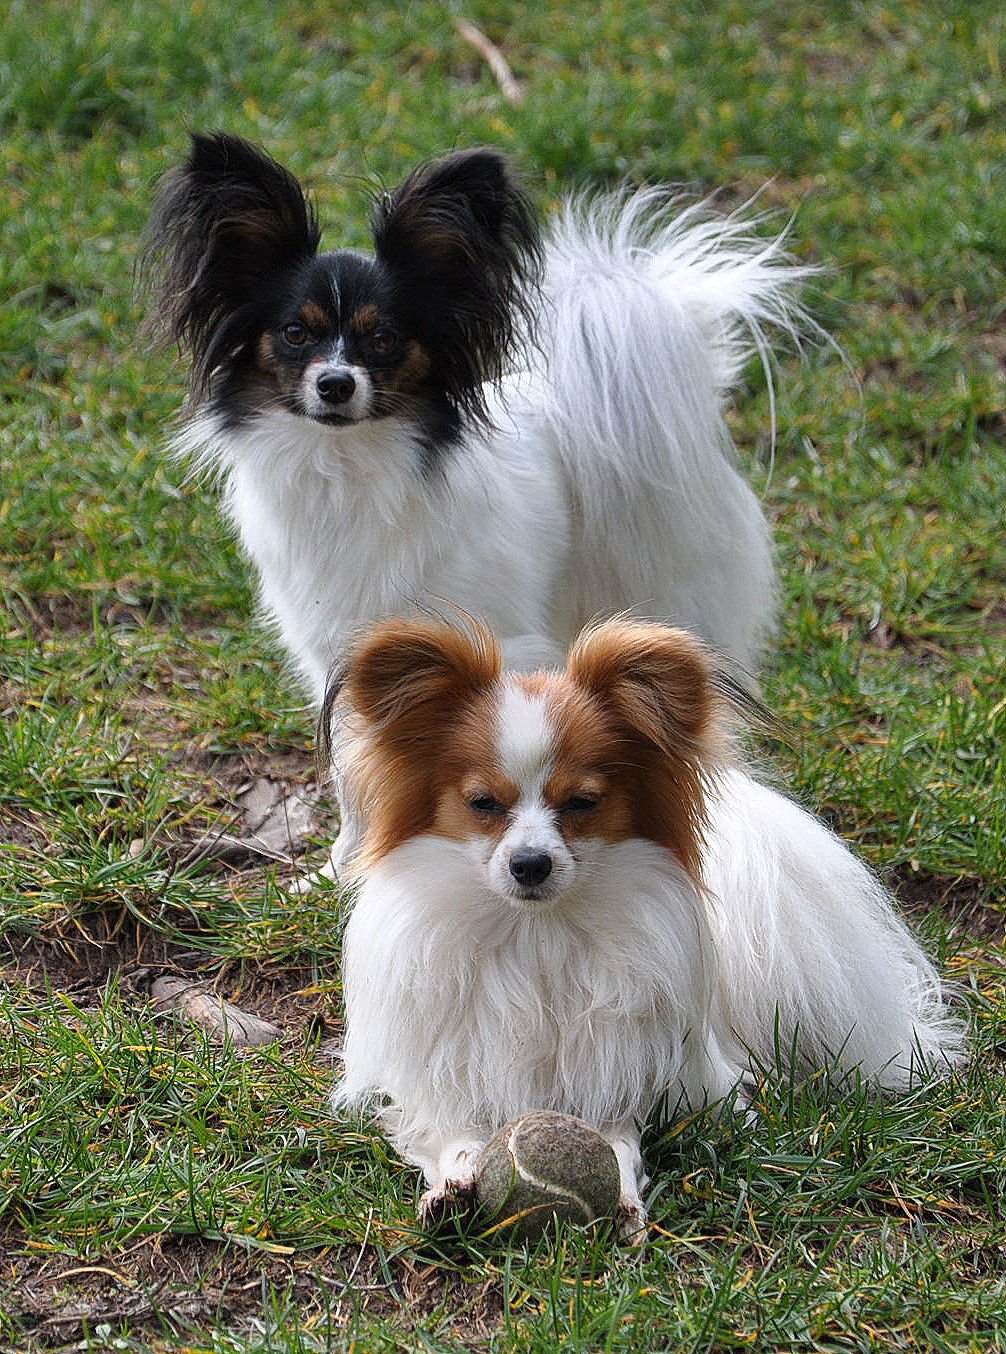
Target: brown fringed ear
404	686
656	684
413	673
659	677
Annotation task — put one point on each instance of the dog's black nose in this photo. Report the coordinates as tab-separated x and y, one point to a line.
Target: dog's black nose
335	387
530	867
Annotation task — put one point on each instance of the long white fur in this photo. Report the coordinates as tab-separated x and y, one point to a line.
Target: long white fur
609	485
466	1009
805	934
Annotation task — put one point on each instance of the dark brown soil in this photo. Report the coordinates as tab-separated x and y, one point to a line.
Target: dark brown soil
167	1286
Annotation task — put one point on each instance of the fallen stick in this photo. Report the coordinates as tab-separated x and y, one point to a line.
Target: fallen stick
224	846
511	88
221	1021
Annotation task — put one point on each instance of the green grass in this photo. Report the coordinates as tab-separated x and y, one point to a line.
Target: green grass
160	1193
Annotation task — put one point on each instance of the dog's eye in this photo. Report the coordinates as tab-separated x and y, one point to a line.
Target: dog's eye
486	803
384	341
295	334
579	804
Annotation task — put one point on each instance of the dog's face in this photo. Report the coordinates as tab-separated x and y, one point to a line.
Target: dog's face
532	775
444	305
341	346
527	785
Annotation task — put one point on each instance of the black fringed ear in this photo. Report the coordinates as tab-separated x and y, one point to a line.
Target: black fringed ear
223	225
462	240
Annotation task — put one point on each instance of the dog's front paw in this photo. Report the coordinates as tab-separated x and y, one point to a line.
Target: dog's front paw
451	1201
630	1218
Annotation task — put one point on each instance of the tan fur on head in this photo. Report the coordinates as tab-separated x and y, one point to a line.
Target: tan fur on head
633	721
657	685
408	685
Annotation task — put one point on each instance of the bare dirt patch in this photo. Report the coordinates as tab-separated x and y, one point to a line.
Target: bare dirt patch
171	1285
966	903
252	811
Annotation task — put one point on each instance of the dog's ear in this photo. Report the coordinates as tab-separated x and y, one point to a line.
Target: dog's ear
404	688
658	679
409	676
461	237
656	685
453	212
223	224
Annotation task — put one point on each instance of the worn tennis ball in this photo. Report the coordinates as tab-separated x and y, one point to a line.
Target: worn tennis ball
546	1166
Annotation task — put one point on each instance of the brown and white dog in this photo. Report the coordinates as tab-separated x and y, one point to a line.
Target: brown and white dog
573	897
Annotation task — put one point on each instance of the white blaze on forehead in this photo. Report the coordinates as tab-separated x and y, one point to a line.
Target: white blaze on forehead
524	737
333	356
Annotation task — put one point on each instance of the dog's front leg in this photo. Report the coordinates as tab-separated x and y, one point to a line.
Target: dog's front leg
338	868
351	826
346	844
450	1175
623	1138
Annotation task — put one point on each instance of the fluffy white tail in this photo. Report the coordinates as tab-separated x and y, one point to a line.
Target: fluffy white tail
654	312
651	313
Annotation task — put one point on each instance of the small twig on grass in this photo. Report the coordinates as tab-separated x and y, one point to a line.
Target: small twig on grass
510	87
231	850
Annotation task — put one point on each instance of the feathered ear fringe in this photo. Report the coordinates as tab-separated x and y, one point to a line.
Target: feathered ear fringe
403	686
657	683
222	224
403	670
400	668
462	239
